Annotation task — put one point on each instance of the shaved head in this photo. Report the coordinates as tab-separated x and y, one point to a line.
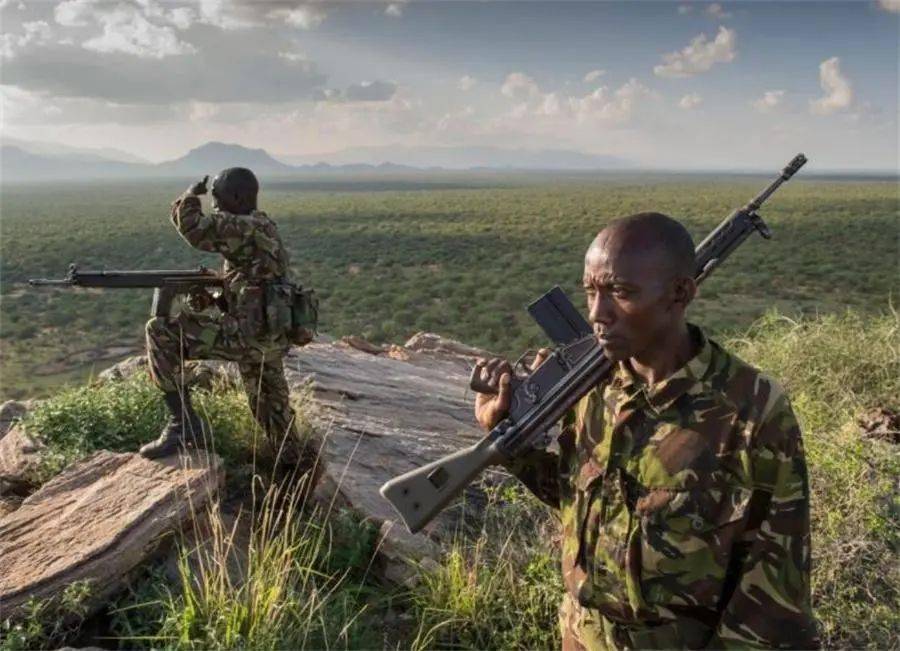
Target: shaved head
649	234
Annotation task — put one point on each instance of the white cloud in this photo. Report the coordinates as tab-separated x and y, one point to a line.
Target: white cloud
769	100
305	16
689	101
519	86
593	76
466	83
127	30
684	9
294	56
838	91
890	5
699	56
395	9
716	11
34	32
611	107
73	13
459	121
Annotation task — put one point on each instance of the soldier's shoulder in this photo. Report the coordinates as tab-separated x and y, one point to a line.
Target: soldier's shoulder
752	392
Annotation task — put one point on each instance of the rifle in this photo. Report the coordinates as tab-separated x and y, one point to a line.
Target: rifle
166	284
539	399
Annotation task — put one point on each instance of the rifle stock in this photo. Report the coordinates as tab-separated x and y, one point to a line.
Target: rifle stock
420	494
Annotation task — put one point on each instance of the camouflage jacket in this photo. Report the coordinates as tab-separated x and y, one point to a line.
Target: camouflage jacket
685	499
253	254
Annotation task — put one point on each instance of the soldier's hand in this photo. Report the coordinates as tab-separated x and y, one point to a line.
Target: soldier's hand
199	187
198	299
491	408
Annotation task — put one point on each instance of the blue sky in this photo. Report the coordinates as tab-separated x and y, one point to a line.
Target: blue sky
674	84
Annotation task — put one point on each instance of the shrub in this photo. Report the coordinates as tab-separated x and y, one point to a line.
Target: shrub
835	368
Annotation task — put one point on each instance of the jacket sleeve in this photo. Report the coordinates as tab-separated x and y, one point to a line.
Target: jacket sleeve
540	469
216	232
770	606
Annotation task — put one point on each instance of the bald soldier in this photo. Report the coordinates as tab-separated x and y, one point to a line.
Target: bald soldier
680	481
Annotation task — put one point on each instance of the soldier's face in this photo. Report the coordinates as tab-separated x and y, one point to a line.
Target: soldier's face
630	297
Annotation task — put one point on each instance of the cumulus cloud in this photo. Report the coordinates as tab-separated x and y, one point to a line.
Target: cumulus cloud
616	106
33	32
366	91
890	5
716	11
519	86
769	101
838	91
304	16
601	105
699	56
127	30
395	9
593	76
689	101
466	83
370	91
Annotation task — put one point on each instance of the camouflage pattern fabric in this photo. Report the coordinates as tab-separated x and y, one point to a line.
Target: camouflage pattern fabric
685	508
253	254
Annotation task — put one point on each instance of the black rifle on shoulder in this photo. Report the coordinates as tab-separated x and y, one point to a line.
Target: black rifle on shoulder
166	284
539	399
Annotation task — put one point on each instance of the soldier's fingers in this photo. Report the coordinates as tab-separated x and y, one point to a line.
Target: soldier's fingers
503	393
540	358
499	370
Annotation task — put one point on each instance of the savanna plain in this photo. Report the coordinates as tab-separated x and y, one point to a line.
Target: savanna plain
460	255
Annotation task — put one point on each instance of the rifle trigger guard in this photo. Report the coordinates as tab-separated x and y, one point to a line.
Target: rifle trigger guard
521	363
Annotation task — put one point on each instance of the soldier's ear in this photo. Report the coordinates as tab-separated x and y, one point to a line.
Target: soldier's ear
684	290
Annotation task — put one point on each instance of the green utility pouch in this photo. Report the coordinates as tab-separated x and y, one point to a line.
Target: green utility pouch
293	311
304	316
279	297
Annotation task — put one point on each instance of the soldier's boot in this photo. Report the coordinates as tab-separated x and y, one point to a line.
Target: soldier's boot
183	428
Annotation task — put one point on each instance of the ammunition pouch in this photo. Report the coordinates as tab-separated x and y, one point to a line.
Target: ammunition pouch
292	311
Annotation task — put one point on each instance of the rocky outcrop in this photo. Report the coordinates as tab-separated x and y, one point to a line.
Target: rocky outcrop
383	410
381	417
11	412
98	521
20	458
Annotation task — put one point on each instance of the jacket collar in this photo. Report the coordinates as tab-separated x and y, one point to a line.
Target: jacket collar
663	394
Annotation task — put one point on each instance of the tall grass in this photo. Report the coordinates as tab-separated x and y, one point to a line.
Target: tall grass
835	368
303	578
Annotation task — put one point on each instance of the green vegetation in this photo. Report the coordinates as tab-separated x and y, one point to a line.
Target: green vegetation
308	578
836	368
48	622
462	261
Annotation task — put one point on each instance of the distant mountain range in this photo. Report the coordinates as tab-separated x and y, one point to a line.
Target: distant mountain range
462	158
31	161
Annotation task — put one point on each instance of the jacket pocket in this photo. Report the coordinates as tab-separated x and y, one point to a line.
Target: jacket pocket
250	312
687	536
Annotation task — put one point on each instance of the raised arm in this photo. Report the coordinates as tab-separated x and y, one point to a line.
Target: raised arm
218	232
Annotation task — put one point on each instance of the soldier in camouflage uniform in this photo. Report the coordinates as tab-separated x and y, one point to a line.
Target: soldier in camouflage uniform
680	482
242	329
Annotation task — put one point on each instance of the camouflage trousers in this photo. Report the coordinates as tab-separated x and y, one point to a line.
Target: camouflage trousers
191	336
586	629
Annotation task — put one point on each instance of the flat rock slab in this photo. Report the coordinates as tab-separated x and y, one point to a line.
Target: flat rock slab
382	417
97	521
